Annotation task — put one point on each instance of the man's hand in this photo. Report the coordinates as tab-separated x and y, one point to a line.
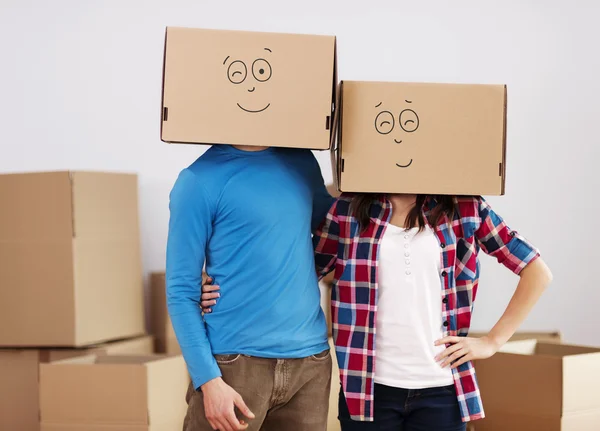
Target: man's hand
463	349
209	293
220	401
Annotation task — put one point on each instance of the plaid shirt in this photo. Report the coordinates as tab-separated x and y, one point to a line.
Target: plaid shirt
353	255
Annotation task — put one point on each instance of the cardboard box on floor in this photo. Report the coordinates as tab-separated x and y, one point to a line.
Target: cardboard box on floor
160	323
92	393
248	88
532	385
421	138
19	374
70	264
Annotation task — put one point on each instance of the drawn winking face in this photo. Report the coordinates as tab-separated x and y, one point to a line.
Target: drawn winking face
261	71
408	120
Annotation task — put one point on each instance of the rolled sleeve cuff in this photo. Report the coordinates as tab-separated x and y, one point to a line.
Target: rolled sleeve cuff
520	253
211	372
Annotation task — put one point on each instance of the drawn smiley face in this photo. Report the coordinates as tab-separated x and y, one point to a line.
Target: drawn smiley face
408	120
261	72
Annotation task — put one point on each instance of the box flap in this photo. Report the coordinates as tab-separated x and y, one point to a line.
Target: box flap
583	421
133	346
521	347
36	207
404	137
547	336
561	350
133	359
105	205
275	88
143	345
80	391
581	380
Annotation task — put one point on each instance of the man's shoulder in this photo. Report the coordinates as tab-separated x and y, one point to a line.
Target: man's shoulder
208	167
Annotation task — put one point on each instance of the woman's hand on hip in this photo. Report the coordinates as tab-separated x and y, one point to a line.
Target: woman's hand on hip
463	349
209	293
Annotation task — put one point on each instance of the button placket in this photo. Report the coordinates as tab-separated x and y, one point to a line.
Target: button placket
407	238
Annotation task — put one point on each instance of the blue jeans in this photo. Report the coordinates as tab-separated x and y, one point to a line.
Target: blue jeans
433	409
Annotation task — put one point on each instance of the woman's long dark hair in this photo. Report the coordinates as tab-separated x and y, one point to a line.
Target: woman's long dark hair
361	206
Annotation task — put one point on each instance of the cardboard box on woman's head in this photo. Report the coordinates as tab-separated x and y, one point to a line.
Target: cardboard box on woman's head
421	138
248	88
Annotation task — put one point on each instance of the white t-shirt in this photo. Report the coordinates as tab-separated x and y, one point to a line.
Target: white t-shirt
409	311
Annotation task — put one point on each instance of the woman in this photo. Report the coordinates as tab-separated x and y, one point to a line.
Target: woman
406	276
406	273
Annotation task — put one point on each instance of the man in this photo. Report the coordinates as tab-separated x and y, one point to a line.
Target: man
248	213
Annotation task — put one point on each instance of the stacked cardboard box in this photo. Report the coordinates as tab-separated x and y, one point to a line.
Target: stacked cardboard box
113	393
19	374
70	282
531	385
161	326
545	336
70	265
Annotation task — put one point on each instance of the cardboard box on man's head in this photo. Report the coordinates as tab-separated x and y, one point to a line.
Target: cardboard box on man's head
421	138
248	88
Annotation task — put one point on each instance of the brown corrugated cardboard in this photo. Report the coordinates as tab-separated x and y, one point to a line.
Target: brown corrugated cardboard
91	392
548	386
248	88
19	374
71	241
406	137
160	323
172	346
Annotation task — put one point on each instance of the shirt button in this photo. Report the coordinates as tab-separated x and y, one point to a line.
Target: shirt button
406	245
443	245
444	273
446	323
406	237
407	261
445	300
407	272
407	254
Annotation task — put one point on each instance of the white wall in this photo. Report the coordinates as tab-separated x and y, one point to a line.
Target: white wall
80	89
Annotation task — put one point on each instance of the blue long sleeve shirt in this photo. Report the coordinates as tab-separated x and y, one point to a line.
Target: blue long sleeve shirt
249	217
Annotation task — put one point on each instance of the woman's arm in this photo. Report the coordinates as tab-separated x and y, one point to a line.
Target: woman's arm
513	251
534	279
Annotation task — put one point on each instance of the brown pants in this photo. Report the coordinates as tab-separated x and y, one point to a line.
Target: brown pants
283	394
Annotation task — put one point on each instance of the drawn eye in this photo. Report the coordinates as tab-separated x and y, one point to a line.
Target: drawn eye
409	120
384	122
261	69
237	72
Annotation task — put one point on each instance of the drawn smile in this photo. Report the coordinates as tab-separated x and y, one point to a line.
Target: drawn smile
404	166
253	112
